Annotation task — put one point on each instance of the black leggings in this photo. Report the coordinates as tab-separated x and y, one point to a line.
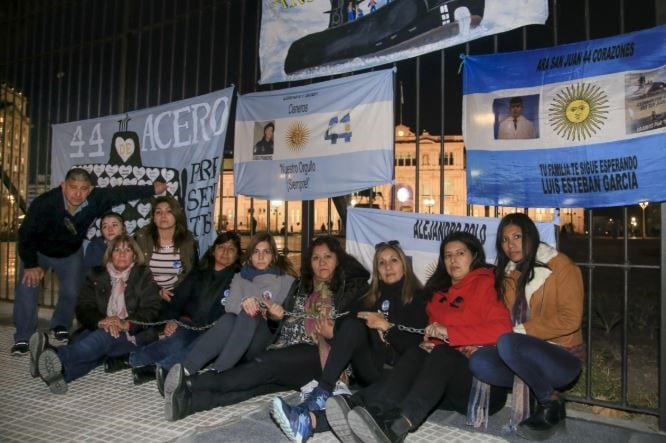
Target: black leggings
274	370
354	343
422	381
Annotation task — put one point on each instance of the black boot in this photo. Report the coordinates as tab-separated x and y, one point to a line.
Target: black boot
115	364
160	377
545	422
177	394
381	427
143	374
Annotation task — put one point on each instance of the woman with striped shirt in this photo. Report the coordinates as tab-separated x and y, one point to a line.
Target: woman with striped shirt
168	247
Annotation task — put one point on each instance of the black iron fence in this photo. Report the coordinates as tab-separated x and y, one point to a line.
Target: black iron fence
77	59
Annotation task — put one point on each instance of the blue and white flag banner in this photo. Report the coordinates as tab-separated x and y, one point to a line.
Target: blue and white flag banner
420	235
181	142
578	125
315	38
315	141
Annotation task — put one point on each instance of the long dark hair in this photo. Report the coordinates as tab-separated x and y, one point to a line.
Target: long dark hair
307	274
530	243
180	230
208	260
410	285
440	280
277	259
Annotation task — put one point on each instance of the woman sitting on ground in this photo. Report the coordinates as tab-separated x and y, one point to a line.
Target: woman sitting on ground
367	340
464	314
197	302
256	293
295	358
169	250
111	225
112	298
543	289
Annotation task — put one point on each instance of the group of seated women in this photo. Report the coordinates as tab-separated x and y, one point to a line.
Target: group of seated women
240	326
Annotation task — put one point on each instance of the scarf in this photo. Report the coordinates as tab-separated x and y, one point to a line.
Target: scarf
319	303
249	272
116	306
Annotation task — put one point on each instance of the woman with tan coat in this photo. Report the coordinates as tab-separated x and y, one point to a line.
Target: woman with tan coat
543	289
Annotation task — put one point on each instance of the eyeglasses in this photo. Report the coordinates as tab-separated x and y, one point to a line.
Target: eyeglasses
387	243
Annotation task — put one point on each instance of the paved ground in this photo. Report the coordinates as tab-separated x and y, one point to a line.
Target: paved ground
108	407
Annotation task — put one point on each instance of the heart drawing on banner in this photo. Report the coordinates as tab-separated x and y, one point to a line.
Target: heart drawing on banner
142	222
139	172
172	188
152	173
168	174
116	181
125	148
144	209
119	209
129	181
98	169
133	203
125	170
111	169
103	182
130	225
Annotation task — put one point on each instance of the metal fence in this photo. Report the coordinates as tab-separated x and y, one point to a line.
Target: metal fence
79	59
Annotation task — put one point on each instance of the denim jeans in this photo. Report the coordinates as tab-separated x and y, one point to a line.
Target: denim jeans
543	366
90	348
166	352
70	274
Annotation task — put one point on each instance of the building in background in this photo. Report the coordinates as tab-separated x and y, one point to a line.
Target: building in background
14	142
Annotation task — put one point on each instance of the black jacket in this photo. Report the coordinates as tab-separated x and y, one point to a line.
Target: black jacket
44	229
199	297
412	315
142	298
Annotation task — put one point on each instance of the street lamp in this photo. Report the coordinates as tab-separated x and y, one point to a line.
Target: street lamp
429	202
643	205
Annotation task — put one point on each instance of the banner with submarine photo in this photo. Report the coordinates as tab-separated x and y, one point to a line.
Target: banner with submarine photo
315	141
315	38
181	142
577	125
420	235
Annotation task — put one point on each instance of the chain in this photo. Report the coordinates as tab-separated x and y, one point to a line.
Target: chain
410	329
333	316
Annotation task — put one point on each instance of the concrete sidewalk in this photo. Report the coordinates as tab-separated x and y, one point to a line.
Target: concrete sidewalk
108	407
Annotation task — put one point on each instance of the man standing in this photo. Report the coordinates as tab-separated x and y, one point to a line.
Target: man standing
50	237
516	126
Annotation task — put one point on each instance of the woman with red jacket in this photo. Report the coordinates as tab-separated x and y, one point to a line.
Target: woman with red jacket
464	313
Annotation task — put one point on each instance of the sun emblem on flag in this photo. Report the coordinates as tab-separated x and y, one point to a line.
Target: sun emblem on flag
297	136
578	111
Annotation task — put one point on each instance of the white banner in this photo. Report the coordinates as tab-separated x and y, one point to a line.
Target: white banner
315	141
314	38
420	235
182	142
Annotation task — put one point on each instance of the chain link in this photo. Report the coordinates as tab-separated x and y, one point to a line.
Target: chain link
301	315
410	329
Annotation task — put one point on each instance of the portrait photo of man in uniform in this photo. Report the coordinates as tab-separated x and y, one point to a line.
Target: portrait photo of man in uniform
515	122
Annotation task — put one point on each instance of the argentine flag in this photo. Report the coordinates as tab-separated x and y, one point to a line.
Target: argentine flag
578	125
315	141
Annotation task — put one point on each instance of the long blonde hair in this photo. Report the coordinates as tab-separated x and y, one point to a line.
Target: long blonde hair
411	282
